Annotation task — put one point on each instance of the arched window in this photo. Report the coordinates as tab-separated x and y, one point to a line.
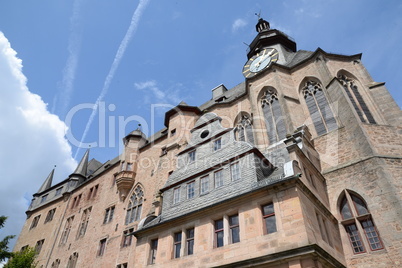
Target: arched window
357	219
274	120
244	129
135	206
56	263
317	104
356	99
72	261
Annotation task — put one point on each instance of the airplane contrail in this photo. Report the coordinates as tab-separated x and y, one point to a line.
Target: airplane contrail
119	55
69	71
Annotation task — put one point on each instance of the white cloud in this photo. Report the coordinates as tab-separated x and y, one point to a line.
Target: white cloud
170	95
238	24
31	141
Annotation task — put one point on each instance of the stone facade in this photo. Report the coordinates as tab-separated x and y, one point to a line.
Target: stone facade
283	170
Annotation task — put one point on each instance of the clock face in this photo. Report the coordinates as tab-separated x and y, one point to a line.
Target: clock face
260	61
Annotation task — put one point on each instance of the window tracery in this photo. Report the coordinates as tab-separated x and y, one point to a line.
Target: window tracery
357	219
318	107
244	129
274	120
135	206
356	99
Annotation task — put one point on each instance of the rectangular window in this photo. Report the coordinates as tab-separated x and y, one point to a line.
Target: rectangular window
154	248
235	171
234	229
76	201
268	214
84	222
38	246
219	233
217	144
50	214
123	265
108	215
204	184
354	238
66	231
102	247
127	238
93	191
191	156
372	235
190	241
58	191
43	198
190	190
322	224
177	245
218	177
122	166
34	222
173	132
176	195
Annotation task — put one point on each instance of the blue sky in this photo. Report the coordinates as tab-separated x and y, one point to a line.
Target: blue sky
130	54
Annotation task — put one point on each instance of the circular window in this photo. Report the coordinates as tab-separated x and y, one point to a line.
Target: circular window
204	134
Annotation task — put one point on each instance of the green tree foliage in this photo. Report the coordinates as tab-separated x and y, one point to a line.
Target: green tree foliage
23	259
4	253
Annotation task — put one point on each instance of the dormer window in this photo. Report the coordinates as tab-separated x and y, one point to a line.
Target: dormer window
191	156
217	144
43	198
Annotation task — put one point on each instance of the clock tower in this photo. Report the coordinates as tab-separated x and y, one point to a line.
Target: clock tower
269	46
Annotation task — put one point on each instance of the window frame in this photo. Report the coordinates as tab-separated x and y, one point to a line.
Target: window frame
238	172
191	190
109	213
234	228
204	181
217	232
153	243
177	244
217	144
190	241
267	216
176	195
218	178
102	247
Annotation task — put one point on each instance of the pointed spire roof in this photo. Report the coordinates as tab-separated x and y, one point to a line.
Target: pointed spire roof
47	183
81	169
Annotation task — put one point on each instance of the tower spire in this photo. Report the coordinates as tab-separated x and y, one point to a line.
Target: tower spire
47	183
81	169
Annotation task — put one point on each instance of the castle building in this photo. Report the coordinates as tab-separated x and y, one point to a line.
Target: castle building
300	165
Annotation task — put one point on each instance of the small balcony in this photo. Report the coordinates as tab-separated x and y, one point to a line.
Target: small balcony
124	181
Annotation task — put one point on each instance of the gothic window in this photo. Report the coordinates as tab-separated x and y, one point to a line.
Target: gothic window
56	264
356	99
318	107
72	261
66	231
38	246
135	206
84	222
34	222
357	219
274	120
50	214
244	130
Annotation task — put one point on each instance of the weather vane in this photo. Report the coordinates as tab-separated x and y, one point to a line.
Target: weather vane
259	14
